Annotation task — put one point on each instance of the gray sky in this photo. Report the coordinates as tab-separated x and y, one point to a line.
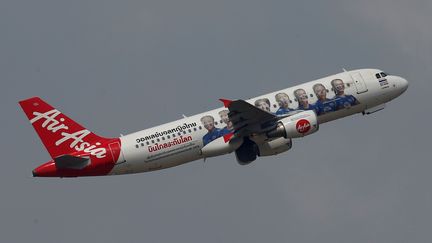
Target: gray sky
122	66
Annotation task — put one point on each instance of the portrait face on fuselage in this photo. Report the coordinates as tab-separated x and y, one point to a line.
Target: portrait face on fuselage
263	104
225	119
301	97
208	122
283	100
320	91
224	116
338	86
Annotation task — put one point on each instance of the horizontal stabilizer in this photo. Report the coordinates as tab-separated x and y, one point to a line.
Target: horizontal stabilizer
71	162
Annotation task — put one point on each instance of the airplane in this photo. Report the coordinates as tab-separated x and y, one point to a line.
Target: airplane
258	127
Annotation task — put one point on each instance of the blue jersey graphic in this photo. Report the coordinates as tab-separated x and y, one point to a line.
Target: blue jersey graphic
225	131
282	111
345	101
326	106
210	136
311	107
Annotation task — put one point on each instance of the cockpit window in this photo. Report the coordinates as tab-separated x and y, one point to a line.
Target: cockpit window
383	74
378	76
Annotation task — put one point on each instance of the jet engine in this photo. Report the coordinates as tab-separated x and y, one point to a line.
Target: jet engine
278	139
295	126
275	146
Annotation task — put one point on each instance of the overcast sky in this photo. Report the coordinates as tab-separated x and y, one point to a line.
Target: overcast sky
122	66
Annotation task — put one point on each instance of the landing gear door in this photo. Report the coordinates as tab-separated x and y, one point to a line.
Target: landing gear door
116	150
359	83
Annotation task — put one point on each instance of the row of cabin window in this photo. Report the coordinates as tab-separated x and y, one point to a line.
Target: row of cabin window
173	136
216	123
311	95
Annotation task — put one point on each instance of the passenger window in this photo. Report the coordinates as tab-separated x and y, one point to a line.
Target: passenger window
168	137
158	140
195	129
378	76
152	141
163	138
199	127
142	144
173	135
311	95
147	143
184	132
137	146
274	106
179	133
189	131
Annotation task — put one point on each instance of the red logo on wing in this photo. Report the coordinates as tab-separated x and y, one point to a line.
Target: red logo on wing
303	126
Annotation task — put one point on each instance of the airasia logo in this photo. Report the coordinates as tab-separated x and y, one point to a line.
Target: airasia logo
76	139
303	126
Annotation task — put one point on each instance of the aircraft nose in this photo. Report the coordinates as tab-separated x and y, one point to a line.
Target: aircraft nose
404	84
401	84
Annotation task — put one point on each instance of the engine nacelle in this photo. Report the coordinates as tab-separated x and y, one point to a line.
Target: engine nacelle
295	126
276	146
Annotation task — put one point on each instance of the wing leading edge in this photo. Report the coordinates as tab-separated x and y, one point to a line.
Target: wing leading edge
248	119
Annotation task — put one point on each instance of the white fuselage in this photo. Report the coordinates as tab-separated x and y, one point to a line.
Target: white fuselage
181	141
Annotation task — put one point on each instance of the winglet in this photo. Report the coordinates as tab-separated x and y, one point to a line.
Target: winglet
226	102
227	137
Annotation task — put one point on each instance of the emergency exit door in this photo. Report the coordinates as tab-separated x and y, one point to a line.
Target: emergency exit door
359	83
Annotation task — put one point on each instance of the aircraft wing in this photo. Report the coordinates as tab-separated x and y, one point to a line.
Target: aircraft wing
248	119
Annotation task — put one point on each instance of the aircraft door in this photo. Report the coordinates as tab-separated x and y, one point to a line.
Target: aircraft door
359	83
116	149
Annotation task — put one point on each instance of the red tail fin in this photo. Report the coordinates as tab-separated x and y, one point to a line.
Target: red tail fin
60	134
